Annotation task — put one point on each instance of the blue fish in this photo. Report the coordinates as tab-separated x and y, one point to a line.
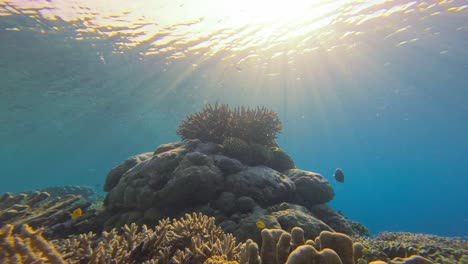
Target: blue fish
339	175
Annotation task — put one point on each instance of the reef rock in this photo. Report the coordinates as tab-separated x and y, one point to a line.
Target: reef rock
311	188
183	177
265	185
336	221
290	218
195	181
116	173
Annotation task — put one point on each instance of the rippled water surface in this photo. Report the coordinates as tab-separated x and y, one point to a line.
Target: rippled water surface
377	88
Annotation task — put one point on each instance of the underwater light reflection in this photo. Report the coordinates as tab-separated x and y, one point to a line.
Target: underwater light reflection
177	29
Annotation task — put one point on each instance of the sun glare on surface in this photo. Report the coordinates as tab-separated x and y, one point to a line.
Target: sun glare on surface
262	11
178	28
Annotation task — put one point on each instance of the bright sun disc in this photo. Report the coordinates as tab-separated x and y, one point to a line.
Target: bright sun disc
269	11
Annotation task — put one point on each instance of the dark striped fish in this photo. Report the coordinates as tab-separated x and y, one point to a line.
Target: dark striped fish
339	175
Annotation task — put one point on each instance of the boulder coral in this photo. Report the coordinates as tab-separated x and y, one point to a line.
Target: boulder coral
194	175
228	165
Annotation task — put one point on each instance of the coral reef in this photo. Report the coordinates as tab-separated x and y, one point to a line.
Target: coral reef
40	209
402	245
228	166
230	170
218	122
185	176
193	239
279	246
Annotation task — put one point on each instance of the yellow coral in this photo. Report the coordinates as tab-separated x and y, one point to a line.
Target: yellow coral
27	247
219	260
194	238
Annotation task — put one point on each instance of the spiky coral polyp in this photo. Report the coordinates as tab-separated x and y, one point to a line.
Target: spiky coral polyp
218	122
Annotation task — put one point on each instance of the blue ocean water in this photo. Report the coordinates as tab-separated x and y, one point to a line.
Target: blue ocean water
378	90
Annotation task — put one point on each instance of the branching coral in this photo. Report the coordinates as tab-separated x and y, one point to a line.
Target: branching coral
259	125
216	123
213	124
400	244
40	209
192	239
27	247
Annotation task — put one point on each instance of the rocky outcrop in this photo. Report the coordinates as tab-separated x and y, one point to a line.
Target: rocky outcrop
311	188
265	185
190	176
336	220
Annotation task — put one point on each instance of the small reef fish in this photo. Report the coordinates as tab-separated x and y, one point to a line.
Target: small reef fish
76	213
260	224
339	175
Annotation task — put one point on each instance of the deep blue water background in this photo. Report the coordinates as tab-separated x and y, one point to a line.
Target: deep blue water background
394	118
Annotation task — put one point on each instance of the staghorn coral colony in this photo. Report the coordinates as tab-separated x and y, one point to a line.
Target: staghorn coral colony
218	122
243	186
194	238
